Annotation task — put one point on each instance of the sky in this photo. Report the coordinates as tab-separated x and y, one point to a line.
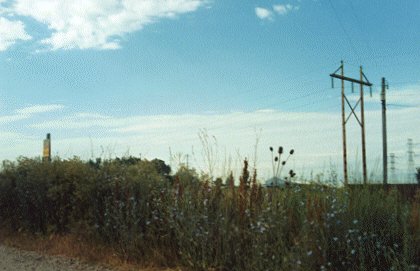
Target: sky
192	81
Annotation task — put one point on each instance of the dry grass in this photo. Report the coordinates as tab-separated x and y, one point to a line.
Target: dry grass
73	246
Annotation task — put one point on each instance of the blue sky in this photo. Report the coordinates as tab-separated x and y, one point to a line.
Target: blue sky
110	77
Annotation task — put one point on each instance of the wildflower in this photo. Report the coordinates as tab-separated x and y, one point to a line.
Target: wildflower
355	221
335	239
298	262
353	251
309	253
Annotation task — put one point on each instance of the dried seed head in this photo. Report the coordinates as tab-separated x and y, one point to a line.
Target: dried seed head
280	150
271	149
291	172
292	151
276	159
283	163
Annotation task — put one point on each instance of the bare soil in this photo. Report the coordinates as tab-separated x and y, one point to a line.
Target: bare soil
12	259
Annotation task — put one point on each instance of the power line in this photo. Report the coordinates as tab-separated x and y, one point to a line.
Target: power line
353	48
404	105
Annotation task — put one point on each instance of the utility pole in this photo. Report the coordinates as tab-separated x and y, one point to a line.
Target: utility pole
410	164
343	121
188	156
362	82
384	135
362	112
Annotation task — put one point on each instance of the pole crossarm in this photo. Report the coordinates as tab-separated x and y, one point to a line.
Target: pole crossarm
338	76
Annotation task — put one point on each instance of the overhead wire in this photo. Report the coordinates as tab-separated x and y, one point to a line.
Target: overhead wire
352	46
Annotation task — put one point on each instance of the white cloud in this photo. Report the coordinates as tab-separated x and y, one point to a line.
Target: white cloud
263	13
36	109
12	118
399	97
101	24
10	32
267	14
284	9
28	112
406	96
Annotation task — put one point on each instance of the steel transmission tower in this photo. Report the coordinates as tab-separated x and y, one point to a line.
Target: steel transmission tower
392	166
410	162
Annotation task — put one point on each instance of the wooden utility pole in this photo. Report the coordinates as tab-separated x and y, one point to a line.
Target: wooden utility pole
362	112
384	135
343	122
362	82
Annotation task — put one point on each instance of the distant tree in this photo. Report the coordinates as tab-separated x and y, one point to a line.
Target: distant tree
418	175
130	160
161	167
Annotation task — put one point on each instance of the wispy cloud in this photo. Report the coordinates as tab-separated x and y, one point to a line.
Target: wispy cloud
12	118
36	109
400	97
284	9
280	9
406	96
11	32
99	24
28	112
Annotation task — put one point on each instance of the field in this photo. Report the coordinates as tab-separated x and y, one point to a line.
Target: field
149	216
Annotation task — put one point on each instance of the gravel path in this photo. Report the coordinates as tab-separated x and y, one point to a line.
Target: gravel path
12	259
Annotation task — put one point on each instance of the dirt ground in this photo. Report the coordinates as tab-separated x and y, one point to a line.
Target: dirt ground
12	259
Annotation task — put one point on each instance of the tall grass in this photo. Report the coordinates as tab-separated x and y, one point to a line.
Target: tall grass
137	208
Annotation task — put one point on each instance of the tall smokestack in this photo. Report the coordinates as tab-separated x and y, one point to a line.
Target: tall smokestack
46	155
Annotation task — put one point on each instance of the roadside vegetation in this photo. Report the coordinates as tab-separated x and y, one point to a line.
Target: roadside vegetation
148	215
